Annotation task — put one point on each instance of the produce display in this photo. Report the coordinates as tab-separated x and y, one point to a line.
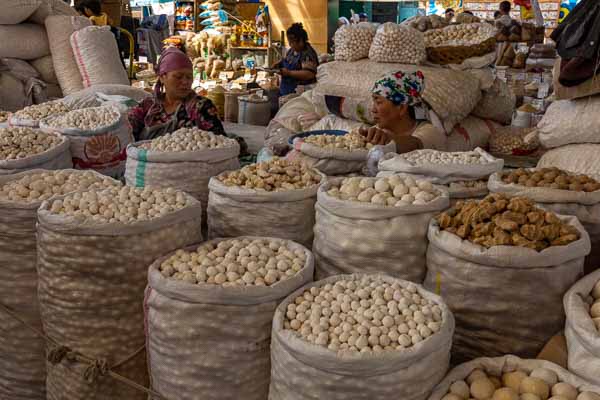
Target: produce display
540	384
20	142
512	140
4	116
459	35
42	186
235	262
553	178
395	43
86	118
460	185
428	22
274	175
363	315
40	111
393	191
498	220
421	157
120	204
188	139
350	141
353	42
594	303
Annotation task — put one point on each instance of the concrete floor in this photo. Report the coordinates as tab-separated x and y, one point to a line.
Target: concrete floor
254	135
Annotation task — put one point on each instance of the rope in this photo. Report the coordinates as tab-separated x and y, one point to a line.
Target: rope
95	367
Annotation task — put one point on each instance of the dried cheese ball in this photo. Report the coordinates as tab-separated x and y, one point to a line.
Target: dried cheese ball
349	141
459	35
40	111
353	42
19	142
188	139
421	157
395	43
86	118
236	262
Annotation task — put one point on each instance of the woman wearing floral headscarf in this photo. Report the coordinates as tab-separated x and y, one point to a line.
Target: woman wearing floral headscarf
395	97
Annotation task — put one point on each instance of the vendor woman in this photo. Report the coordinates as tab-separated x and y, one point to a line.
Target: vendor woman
174	104
299	67
395	99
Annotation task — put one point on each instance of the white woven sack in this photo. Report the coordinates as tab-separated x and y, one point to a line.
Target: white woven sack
223	334
52	7
506	299
500	365
25	121
106	266
336	123
303	371
235	211
583	338
23	41
16	11
102	149
88	97
288	115
23	361
45	67
352	42
395	43
466	192
60	28
576	158
497	104
188	171
569	122
97	56
470	133
441	173
353	237
58	157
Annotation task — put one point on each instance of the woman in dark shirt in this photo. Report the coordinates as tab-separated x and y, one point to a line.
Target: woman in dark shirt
299	67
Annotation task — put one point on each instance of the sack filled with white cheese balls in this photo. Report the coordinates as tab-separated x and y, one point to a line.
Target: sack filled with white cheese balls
32	115
359	336
512	378
395	43
99	244
98	136
503	266
375	225
353	42
275	198
23	149
582	329
212	305
335	154
23	365
185	159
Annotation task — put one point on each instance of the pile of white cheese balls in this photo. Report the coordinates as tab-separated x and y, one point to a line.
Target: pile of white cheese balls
390	191
40	111
353	42
44	185
86	118
236	262
593	302
188	139
395	43
421	157
350	141
363	314
120	204
20	142
540	384
459	35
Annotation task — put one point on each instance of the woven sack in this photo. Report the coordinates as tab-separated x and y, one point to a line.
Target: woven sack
88	96
254	111
13	96
45	67
106	265
58	157
570	122
60	28
223	334
97	56
576	158
23	41
481	285
52	7
497	104
16	11
304	371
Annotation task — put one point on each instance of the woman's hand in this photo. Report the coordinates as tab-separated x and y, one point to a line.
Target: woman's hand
375	135
284	72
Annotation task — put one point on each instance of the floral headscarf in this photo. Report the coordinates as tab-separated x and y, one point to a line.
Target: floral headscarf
401	88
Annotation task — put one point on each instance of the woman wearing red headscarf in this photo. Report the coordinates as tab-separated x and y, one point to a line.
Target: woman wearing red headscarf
174	104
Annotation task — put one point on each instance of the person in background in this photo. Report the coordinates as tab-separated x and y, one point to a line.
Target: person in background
174	105
363	17
449	15
395	97
342	21
504	10
497	15
93	10
299	66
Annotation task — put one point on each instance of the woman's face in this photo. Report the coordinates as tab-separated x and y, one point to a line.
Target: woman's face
178	83
296	43
385	112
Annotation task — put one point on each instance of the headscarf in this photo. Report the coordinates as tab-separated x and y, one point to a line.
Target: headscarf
400	87
171	59
344	20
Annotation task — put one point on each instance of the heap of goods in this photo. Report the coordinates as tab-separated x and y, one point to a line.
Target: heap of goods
188	139
44	185
275	175
31	115
395	43
392	191
19	142
552	178
353	42
421	157
459	35
236	262
86	118
126	204
502	221
350	141
363	315
513	141
428	22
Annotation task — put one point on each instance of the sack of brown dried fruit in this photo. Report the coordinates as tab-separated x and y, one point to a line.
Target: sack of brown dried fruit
503	266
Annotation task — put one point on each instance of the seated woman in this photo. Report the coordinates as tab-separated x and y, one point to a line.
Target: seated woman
395	97
174	104
299	67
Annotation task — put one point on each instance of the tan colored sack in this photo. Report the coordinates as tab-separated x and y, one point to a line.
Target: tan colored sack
52	7
45	67
16	11
23	41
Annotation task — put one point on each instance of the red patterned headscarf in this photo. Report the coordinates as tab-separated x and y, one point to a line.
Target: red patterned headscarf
171	59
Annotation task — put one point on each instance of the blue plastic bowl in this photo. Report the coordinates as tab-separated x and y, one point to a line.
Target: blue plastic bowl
314	133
